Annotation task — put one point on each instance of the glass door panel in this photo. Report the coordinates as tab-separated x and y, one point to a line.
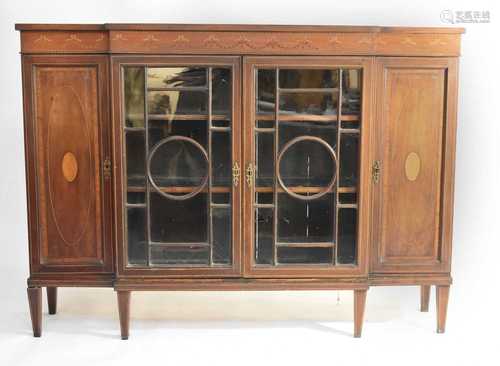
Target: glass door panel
306	125
178	145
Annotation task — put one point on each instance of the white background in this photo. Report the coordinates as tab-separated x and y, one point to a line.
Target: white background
264	328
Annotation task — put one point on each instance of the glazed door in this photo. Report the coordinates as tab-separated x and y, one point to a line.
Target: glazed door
306	119
178	128
416	99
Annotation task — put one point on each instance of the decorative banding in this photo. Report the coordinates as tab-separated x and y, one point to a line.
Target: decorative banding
196	190
290	144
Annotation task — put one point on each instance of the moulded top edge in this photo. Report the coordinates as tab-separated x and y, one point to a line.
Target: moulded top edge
235	28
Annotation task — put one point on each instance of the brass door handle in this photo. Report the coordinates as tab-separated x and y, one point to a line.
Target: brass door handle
106	167
249	174
236	174
376	168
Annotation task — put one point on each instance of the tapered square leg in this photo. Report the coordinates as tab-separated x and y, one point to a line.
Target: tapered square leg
359	311
35	303
124	312
442	294
52	299
425	292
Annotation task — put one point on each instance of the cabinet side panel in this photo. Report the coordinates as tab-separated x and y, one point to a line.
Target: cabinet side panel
412	136
65	136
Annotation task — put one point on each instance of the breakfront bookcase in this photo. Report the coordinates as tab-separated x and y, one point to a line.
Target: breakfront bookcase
228	157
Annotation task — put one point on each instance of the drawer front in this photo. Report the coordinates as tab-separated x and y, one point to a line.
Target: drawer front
415	144
64	130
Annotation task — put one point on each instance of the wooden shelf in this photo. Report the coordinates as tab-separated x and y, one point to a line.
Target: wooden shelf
187	117
307	245
135	205
220	189
132	129
347	205
181	189
308	90
179	245
349	130
304	189
307	117
177	88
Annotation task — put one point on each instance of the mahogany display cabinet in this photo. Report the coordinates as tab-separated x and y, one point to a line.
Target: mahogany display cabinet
228	157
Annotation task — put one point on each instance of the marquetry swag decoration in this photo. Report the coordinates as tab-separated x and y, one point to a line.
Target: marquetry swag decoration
116	38
239	157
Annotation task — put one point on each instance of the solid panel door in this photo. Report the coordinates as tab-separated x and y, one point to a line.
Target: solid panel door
414	164
68	194
178	134
306	119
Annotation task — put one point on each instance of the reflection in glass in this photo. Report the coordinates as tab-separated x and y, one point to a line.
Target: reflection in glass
221	221
350	124
178	163
178	221
312	255
351	92
348	198
349	160
307	164
221	159
221	91
265	124
264	197
136	219
264	236
266	92
170	77
265	164
194	129
309	103
133	94
347	236
179	256
177	102
312	78
305	221
221	198
136	197
292	129
136	170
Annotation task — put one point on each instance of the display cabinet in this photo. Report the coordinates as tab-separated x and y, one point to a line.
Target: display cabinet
193	157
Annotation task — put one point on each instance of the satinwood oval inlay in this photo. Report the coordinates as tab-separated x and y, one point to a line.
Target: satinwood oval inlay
68	141
69	166
412	166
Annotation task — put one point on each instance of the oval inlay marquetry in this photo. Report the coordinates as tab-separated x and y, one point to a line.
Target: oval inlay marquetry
69	148
412	166
69	167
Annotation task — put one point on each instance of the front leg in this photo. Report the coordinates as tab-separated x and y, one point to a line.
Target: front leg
124	312
442	294
359	311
